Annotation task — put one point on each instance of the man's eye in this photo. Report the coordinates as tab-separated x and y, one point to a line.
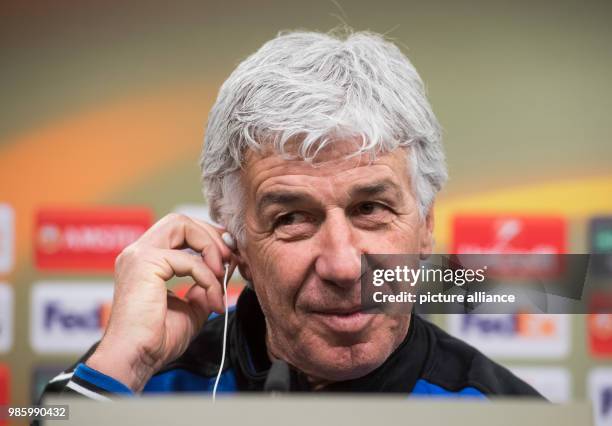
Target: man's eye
291	219
369	208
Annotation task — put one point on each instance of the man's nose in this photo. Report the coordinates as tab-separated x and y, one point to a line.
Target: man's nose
339	260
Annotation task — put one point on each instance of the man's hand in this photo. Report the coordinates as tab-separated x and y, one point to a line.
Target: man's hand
149	326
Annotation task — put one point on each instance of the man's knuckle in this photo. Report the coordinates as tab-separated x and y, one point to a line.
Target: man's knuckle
134	253
128	253
176	218
122	257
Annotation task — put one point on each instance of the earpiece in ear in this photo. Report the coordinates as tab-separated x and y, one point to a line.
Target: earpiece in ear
229	240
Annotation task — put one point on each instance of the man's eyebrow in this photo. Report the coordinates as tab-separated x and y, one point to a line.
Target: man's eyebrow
279	197
365	190
376	188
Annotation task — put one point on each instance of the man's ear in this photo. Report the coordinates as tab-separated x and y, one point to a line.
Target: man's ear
243	265
245	271
427	239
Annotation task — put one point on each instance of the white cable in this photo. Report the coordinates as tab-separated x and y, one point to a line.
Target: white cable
214	393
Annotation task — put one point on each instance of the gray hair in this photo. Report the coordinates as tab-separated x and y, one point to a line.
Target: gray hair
316	88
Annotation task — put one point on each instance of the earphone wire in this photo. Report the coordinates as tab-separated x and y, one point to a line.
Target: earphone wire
214	392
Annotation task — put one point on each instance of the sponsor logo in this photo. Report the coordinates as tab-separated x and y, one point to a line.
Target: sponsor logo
7	238
600	334
552	382
86	239
538	237
606	402
514	335
6	317
68	318
600	392
477	234
5	384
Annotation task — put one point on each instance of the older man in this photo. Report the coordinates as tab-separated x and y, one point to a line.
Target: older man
319	149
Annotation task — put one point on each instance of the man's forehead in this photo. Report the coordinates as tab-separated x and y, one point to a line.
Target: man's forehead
266	174
334	157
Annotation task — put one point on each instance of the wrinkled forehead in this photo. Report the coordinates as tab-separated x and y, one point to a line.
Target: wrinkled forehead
339	152
338	164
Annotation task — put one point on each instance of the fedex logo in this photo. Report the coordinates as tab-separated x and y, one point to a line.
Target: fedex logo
6	317
514	335
605	402
510	325
68	318
600	392
56	316
86	239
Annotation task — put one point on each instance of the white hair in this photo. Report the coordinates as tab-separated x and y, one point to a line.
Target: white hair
318	88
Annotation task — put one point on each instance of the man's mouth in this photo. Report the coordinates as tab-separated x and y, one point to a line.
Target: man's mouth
346	320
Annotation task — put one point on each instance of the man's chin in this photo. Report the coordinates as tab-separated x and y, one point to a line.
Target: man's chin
340	363
333	355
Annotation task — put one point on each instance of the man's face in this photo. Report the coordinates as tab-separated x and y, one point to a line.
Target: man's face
306	229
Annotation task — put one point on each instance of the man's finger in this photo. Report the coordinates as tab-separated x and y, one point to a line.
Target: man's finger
185	264
216	234
179	231
198	300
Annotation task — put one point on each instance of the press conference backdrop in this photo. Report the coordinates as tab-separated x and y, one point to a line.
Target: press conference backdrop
103	111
